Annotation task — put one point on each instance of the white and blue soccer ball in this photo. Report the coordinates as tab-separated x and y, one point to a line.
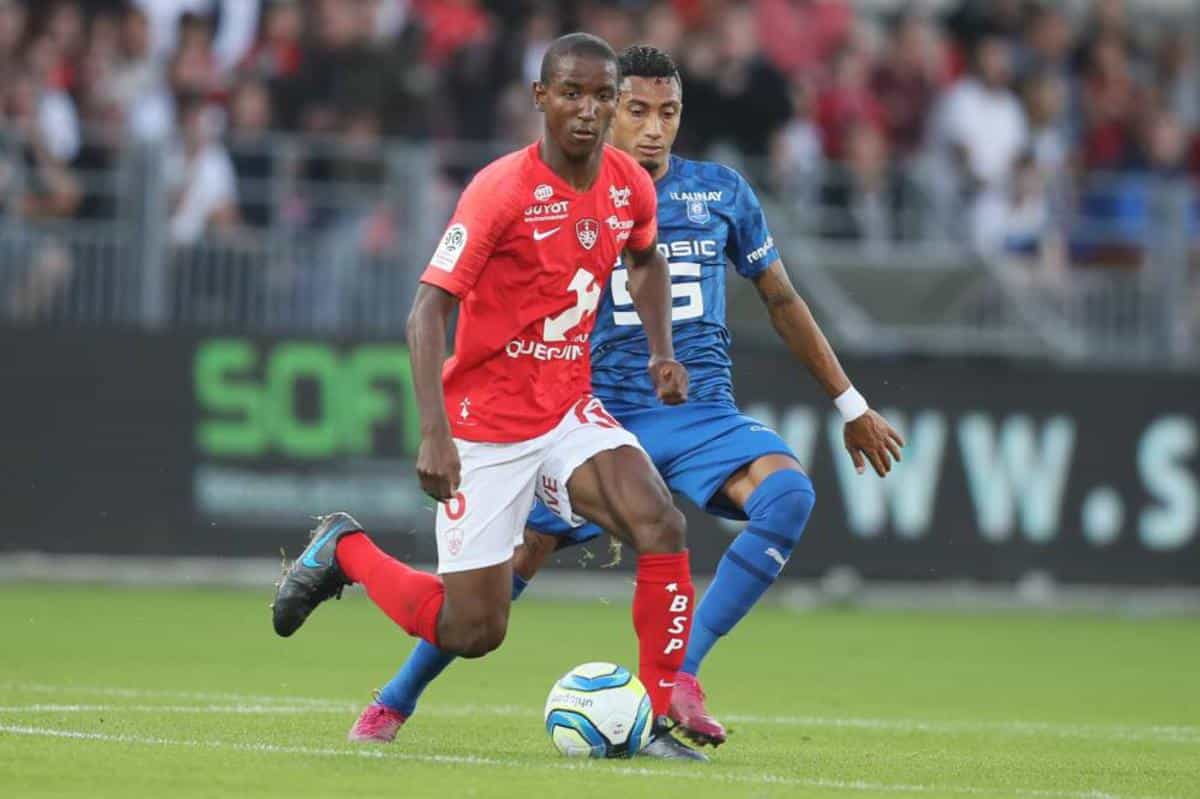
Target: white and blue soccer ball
598	710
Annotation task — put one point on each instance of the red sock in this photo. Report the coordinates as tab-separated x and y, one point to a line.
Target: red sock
662	618
409	597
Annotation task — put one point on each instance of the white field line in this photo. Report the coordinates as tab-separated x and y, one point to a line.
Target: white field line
235	703
1109	732
341	708
703	773
150	693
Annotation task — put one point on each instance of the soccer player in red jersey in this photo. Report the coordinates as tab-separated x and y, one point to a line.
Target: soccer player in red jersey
510	415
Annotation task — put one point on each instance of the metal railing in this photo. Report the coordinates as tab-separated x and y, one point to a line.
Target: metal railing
331	235
1110	277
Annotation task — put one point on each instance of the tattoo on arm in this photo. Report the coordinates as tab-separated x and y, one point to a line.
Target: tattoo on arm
775	290
794	322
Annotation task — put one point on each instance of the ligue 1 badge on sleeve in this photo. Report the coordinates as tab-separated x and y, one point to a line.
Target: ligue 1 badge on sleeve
697	211
450	248
588	230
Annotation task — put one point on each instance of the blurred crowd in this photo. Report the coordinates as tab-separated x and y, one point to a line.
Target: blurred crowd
1014	127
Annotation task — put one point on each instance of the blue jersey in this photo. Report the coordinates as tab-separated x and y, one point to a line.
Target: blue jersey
707	214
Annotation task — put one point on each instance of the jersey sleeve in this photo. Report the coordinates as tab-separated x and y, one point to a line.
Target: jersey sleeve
750	245
470	238
645	209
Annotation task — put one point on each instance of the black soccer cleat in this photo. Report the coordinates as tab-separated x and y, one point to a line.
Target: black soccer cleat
666	746
314	576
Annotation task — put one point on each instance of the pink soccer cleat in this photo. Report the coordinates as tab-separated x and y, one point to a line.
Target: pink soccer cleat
688	711
377	724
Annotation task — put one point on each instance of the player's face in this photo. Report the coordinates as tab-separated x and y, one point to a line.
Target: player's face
579	102
647	120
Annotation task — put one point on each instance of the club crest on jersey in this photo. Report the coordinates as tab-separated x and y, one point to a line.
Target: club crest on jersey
588	230
697	211
543	192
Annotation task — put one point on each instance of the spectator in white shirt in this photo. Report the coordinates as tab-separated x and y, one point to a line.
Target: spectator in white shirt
200	180
1178	72
234	36
979	132
1045	98
45	143
138	84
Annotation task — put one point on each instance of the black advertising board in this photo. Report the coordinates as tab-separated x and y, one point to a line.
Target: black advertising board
1008	468
96	435
124	442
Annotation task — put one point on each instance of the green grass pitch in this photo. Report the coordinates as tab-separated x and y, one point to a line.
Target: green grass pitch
151	693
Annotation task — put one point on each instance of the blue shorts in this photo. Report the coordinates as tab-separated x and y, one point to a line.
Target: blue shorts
695	446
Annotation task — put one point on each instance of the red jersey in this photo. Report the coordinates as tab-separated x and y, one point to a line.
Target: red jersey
529	257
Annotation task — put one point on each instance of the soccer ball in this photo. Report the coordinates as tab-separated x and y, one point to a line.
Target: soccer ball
598	710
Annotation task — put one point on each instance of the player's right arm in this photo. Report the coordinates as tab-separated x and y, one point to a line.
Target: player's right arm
650	287
438	465
453	271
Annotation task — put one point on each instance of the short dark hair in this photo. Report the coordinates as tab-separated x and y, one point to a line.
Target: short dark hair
575	44
644	61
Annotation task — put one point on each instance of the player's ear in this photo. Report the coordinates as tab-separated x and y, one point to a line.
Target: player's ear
539	95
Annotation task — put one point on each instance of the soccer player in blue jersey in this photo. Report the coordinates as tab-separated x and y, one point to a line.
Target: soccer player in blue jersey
725	462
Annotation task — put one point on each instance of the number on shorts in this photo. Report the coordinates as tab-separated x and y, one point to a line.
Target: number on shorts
456	506
590	410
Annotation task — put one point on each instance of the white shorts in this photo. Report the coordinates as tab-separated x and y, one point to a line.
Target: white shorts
485	521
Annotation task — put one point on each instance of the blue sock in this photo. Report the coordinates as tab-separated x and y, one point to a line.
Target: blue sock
423	666
778	510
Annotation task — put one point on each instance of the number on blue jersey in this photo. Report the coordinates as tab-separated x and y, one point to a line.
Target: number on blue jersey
707	214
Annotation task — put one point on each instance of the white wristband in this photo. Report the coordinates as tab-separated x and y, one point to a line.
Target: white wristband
850	404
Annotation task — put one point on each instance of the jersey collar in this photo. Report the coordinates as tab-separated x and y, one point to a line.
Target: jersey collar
550	176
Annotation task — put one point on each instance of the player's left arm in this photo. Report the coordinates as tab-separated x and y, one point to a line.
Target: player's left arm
867	434
751	248
650	287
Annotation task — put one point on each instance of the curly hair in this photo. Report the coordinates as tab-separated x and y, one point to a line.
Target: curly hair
644	61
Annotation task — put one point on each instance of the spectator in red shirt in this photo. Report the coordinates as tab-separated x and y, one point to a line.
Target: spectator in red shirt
1113	100
451	25
64	27
801	36
907	81
692	13
846	101
277	53
1161	148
